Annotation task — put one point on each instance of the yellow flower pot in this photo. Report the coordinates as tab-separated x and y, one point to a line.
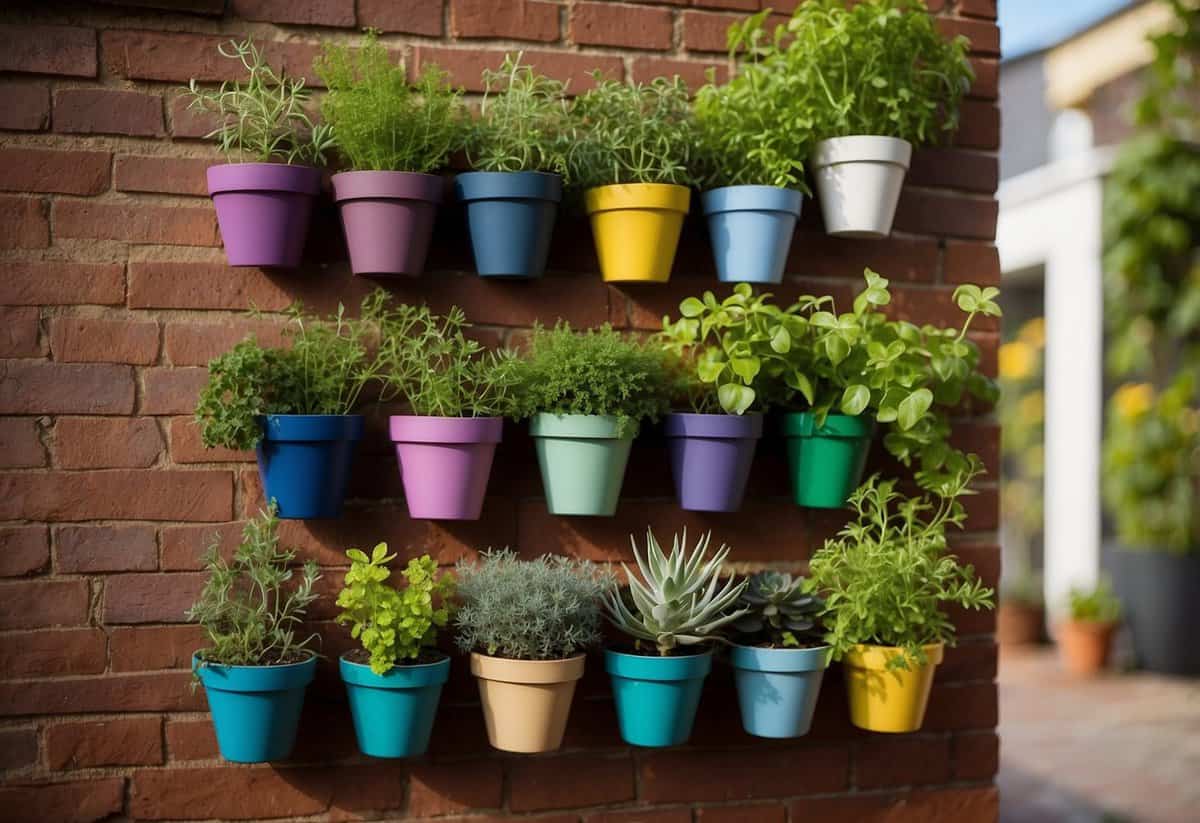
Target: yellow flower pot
883	700
636	226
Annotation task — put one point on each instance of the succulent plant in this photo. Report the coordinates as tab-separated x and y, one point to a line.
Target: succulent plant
779	609
680	599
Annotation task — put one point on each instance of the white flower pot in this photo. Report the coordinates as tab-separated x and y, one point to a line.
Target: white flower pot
858	183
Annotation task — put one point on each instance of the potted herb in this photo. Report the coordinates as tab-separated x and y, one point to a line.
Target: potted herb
457	394
630	152
294	406
392	135
395	679
750	169
264	204
527	624
780	657
585	394
516	147
884	580
673	615
255	668
1085	638
871	81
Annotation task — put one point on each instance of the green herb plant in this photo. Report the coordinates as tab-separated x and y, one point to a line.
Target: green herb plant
522	123
1097	604
380	121
543	609
263	118
781	612
249	609
395	626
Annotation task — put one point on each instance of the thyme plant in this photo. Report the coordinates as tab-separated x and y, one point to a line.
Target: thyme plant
522	122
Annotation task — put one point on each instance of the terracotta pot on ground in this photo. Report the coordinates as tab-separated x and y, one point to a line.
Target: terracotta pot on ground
526	702
1085	645
1019	624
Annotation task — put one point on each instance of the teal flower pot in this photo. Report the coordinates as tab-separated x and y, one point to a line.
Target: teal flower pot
582	462
656	697
255	709
777	688
394	712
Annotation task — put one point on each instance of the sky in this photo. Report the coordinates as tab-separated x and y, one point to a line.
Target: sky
1029	25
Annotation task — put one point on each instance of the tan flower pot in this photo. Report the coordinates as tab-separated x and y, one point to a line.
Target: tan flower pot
1085	646
1019	624
526	702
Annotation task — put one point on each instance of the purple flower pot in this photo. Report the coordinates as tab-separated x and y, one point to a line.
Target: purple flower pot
445	463
388	218
263	210
711	456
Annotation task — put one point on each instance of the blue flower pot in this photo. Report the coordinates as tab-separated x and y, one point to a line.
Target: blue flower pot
657	697
255	709
511	218
394	712
304	461
751	230
777	688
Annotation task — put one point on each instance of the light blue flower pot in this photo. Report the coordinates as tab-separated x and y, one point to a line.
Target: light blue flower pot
394	712
778	688
255	709
657	697
751	231
511	218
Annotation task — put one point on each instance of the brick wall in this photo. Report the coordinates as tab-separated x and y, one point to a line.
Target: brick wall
114	295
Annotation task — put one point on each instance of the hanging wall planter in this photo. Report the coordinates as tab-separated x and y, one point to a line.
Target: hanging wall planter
445	463
751	231
657	697
388	219
511	218
883	700
304	461
263	210
526	702
636	227
711	456
778	688
858	183
582	458
826	463
394	712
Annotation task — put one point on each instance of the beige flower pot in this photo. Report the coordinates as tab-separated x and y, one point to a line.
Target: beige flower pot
526	702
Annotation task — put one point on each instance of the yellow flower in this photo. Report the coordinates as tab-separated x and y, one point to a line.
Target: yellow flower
1016	360
1033	407
1133	399
1034	332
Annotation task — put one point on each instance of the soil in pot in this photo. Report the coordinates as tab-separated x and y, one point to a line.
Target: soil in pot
526	703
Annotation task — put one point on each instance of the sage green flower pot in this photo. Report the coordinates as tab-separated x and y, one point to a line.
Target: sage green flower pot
582	460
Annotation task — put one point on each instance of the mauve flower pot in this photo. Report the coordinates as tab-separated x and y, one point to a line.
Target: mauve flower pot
445	463
511	217
388	219
263	210
711	455
751	231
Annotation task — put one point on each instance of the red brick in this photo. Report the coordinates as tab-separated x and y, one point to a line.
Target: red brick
955	706
407	16
150	598
925	806
136	224
706	30
687	776
68	50
466	65
19	332
153	692
566	782
641	816
736	5
23	549
147	648
618	24
23	223
195	344
52	653
300	12
933	212
978	8
191	740
209	7
189	123
171	391
507	19
92	549
183	547
979	125
695	73
118	494
79	801
88	340
205	286
58	172
20	444
18	749
59	388
977	263
449	788
108	111
186	446
127	741
168	175
26	105
33	604
180	57
969	661
30	283
901	761
955	169
986	85
752	813
984	36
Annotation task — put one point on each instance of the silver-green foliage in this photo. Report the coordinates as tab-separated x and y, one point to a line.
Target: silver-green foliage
543	609
680	599
522	122
781	610
262	118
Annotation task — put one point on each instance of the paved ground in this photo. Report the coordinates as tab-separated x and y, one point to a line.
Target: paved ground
1125	747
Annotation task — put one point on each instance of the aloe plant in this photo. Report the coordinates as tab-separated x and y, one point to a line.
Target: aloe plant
680	599
780	610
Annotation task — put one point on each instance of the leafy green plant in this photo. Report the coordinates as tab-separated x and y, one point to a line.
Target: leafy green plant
597	371
543	609
679	600
323	371
631	133
248	609
522	122
394	625
781	611
263	118
1094	605
380	121
887	574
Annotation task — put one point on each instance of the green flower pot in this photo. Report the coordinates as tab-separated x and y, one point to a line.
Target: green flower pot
582	461
826	463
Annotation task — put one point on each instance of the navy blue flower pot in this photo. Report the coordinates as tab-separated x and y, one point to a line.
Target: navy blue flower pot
751	230
511	217
304	461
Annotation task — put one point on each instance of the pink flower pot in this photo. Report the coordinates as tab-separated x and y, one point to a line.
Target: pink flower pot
445	463
388	219
263	210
